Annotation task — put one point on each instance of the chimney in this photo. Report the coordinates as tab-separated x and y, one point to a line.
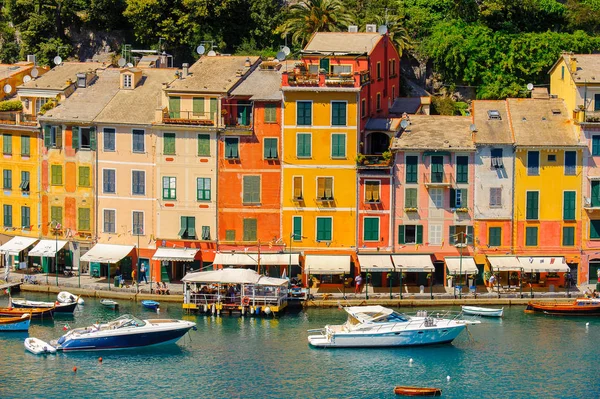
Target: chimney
247	63
573	64
186	68
31	58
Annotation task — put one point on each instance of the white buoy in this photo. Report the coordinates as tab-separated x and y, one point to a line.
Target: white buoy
448	378
267	310
587	324
157	310
410	360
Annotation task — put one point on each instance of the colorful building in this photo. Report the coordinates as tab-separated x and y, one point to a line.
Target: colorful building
13	76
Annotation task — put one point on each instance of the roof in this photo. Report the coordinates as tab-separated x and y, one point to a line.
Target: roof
491	130
435	132
233	276
342	42
87	102
56	78
16	245
217	74
410	105
588	67
7	70
543	123
384	124
261	85
137	106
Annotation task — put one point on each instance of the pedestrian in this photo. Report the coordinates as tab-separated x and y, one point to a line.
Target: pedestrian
492	280
118	277
143	273
133	275
357	283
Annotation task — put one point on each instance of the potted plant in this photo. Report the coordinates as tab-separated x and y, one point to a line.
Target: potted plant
514	277
450	280
429	279
387	156
360	159
472	278
486	277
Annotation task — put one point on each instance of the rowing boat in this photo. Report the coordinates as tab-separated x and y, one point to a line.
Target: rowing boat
109	303
34	312
573	308
417	391
487	312
15	323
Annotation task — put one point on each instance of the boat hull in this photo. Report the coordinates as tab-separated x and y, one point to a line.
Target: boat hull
66	297
109	304
485	312
564	309
153	305
34	312
15	324
417	391
58	308
38	347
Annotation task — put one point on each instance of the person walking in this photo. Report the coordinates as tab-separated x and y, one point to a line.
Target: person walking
143	273
357	283
133	276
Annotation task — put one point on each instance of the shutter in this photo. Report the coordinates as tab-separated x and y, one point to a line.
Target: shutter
400	234
198	106
174	107
452	235
329	188
74	137
595	193
320	187
464	198
335	113
213	109
191	227
256	189
297	187
369	192
324	64
536	203
342	113
47	138
204	145
93	138
375	191
470	235
297	228
183	226
594	228
452	198
419	234
328	227
595	145
59	137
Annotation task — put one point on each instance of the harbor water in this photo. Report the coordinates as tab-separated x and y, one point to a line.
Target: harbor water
520	356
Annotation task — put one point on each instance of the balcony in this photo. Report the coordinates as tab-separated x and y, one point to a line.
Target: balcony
592	117
237	125
374	161
437	179
302	77
17	118
188	118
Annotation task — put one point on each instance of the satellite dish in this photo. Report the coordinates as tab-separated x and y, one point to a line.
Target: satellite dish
382	29
280	56
121	62
57	60
129	65
211	53
472	127
200	49
26	78
404	124
529	86
286	50
35	73
7	88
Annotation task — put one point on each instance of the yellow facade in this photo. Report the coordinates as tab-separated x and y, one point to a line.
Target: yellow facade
562	84
305	177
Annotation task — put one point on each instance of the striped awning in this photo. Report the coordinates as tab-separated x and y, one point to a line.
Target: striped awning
327	264
47	248
175	254
376	263
504	263
457	266
413	263
550	264
16	245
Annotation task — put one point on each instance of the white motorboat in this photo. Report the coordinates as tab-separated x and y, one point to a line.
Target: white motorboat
109	303
487	312
38	347
371	326
67	297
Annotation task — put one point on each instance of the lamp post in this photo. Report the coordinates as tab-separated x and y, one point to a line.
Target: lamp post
55	229
400	283
461	246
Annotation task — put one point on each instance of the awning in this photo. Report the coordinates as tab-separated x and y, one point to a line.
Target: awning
233	276
16	245
176	254
106	253
376	263
504	263
251	259
47	248
413	263
456	266
551	264
327	264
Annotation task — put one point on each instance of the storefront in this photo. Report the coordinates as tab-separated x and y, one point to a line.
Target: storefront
54	257
416	268
328	270
378	268
544	271
104	259
460	268
15	252
508	269
175	263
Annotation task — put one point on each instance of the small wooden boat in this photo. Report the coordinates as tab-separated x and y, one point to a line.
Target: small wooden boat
148	304
58	307
15	323
417	391
38	347
487	312
573	308
34	312
109	303
67	297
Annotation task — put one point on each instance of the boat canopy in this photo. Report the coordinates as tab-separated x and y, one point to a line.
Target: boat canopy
413	263
373	314
327	264
252	259
176	254
376	263
504	263
107	253
233	276
551	264
465	266
16	245
47	248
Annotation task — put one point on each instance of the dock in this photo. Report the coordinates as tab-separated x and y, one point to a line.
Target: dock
14	287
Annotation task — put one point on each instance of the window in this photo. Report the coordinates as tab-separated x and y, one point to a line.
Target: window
203	189
109	181
371	229
337	69
378	70
169	143
378	102
297	228
410	198
568	239
531	236
596	145
562	72
203	145
595	199
324	228
410	234
533	163
83	217
109	220
324	188
251	190
84	137
495	197
270	113
338	113
188	227
26	218
297	187
109	139
24	186
205	233
532	205
7	215
569	205
39	103
229	235
459	198
84	176
7	179
412	162
338	145
303	113
138	223
137	140
596	102
496	157
56	214
169	188
570	163
495	236
437	168
372	190
138	182
249	230
270	148
198	106
551	157
25	146
56	172
435	234
363	108
303	145
52	136
462	169
7	144
126	81
174	107
460	235
231	148
594	229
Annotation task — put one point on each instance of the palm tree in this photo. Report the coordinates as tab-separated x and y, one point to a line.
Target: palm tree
398	33
309	16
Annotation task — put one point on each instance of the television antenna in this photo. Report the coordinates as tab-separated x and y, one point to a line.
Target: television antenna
35	73
121	62
57	60
26	78
7	88
529	86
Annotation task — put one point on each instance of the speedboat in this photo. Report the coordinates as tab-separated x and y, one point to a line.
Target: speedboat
109	303
371	326
124	332
38	347
148	304
67	297
58	307
487	312
579	307
20	323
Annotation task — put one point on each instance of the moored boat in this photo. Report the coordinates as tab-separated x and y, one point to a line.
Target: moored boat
573	308
34	312
123	333
479	311
417	391
376	326
38	347
67	297
109	303
148	304
58	307
20	323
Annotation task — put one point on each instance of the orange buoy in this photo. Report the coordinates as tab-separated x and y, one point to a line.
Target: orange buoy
100	359
74	369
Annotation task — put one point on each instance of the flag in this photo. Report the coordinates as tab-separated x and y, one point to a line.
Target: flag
283	275
66	327
551	261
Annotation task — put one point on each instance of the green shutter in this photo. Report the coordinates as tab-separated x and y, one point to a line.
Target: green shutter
452	235
531	238
470	235
169	143
419	234
338	113
410	200
84	219
464	198
324	64
270	148
304	145
25	146
92	138
452	198
338	145
59	137
251	189
411	169
213	109
174	107
270	113
204	145
532	205
297	228
7	144
462	169
594	229
595	145
198	106
191	227
184	225
303	113
495	236
75	137
371	229
595	193
437	168
400	234
568	236
569	205
249	230
323	229
47	136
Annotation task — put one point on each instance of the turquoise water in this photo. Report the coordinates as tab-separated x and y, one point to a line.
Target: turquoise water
520	356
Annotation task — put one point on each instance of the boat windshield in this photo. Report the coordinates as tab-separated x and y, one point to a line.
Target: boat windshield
126	320
392	318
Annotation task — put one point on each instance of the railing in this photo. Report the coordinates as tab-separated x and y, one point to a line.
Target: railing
189	118
253	295
17	118
374	161
306	78
592	117
234	123
437	179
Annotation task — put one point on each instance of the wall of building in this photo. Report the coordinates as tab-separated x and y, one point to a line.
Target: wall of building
487	176
381	210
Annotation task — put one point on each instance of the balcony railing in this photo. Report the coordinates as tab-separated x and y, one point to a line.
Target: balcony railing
592	117
305	78
233	123
189	118
373	161
437	179
17	118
